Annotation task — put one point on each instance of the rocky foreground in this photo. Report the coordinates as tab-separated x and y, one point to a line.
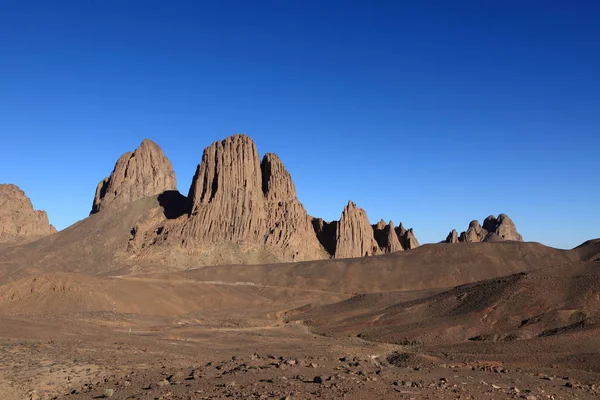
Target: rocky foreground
280	361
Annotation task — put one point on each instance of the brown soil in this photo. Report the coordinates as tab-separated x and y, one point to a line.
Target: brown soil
476	320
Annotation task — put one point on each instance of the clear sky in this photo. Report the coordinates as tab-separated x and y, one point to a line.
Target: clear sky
429	113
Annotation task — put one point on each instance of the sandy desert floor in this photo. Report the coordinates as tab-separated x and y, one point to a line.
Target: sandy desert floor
265	351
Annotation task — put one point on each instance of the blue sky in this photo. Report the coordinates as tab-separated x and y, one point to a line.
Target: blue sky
432	114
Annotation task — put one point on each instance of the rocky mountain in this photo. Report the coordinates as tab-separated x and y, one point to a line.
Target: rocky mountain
493	230
138	174
19	222
240	203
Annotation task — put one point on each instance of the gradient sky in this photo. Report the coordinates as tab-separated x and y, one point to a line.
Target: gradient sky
429	113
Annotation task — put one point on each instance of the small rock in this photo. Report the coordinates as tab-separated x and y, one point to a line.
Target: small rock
318	379
109	392
162	383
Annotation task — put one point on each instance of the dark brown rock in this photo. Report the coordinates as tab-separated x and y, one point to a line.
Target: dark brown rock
19	222
142	173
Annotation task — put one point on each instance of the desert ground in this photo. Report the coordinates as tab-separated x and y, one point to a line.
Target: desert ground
375	327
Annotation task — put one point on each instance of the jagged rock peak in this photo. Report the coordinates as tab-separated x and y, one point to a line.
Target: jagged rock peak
452	237
493	230
386	237
138	174
276	180
411	241
228	166
407	237
19	222
354	236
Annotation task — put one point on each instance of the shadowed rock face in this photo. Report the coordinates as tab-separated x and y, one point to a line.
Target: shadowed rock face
326	234
493	230
386	237
19	222
142	173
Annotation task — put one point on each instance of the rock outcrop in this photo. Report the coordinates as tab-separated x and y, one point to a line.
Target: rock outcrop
288	225
354	236
386	237
235	197
452	237
493	230
142	173
19	222
407	237
502	226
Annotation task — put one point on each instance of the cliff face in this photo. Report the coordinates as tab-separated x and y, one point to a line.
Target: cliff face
236	197
19	222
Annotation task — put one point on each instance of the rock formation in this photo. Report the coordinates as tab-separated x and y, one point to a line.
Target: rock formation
386	237
289	226
493	230
19	222
142	173
407	237
475	233
502	226
452	237
354	236
236	198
